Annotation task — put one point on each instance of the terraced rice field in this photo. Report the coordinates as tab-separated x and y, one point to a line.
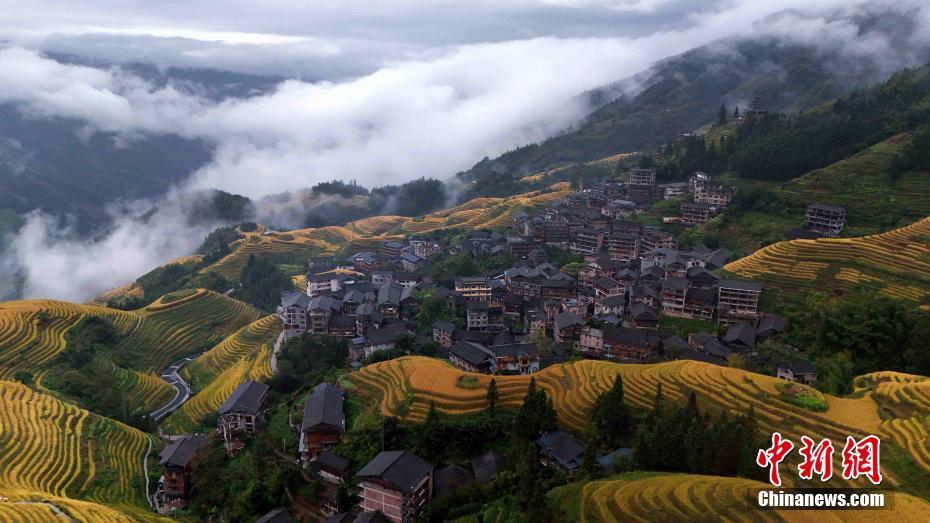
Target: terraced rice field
133	289
895	263
204	404
143	390
246	343
687	498
170	331
32	507
292	244
32	332
407	386
56	449
479	213
907	397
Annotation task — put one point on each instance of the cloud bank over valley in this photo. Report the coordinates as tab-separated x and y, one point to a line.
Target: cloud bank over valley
420	104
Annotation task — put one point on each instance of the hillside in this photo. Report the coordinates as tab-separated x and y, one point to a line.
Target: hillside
407	386
683	93
876	198
682	497
895	263
54	451
32	332
213	376
477	213
874	195
172	329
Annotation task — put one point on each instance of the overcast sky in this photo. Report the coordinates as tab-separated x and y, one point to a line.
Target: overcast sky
378	91
331	38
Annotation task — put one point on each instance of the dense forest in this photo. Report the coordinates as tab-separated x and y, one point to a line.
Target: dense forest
757	148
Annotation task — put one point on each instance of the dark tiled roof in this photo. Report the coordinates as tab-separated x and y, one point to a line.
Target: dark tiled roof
642	311
675	282
333	460
562	447
278	515
324	407
393	293
400	469
800	367
606	283
487	465
700	273
324	303
567	319
295	299
180	451
386	334
449	479
470	352
515	350
674	341
741	334
638	337
771	323
246	397
443	325
342	517
555	283
691	354
613	301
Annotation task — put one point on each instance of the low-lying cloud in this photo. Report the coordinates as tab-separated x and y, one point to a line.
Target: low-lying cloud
427	116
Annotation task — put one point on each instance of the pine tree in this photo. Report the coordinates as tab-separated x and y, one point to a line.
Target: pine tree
736	112
493	395
722	115
610	417
589	464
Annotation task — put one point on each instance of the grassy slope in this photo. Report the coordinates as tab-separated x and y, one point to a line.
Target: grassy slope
407	386
875	200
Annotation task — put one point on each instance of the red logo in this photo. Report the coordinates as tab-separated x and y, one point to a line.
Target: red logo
817	460
859	458
774	455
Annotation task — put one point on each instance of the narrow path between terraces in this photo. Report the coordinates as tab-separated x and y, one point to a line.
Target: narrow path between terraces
54	508
145	471
173	376
274	353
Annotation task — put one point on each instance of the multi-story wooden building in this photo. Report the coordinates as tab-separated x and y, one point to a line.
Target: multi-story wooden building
696	213
177	482
640	176
826	219
474	288
396	483
324	421
242	413
738	301
442	333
